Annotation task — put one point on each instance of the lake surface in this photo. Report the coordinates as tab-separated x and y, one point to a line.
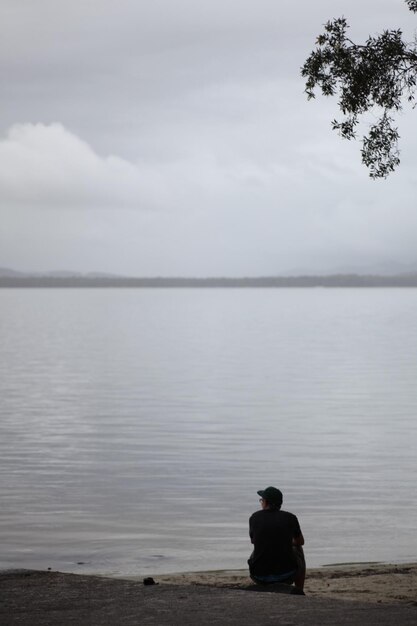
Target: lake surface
137	425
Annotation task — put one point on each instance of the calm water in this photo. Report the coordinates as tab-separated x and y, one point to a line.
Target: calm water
137	425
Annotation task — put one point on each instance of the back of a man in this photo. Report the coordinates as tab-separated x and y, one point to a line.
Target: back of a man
277	539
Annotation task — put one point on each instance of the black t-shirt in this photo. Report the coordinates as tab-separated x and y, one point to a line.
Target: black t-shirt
272	532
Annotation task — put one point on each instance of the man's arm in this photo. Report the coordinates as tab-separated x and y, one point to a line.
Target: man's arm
298	540
250	529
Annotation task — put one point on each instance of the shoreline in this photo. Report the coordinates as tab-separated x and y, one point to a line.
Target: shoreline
370	582
47	598
373	582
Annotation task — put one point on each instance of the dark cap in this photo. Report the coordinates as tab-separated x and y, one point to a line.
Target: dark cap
272	495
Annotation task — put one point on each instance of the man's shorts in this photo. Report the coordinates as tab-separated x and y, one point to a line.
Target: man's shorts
286	578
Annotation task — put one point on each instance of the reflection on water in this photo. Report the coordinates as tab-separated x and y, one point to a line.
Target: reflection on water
137	425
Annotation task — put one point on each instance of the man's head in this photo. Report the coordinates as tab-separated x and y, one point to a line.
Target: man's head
271	498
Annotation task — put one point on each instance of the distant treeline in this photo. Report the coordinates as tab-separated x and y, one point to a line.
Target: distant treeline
336	280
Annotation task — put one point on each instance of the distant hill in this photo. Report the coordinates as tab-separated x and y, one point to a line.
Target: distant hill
5	271
61	280
385	267
8	272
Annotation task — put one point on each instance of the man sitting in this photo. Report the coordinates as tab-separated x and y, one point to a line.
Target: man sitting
278	555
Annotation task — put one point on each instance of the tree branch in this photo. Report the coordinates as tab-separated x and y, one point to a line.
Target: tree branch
382	73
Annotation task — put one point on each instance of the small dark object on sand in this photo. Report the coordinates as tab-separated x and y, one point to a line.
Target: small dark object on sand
149	581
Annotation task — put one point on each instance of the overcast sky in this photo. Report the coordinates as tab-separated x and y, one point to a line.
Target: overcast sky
173	137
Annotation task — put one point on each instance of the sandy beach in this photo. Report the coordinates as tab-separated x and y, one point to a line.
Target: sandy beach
351	595
365	582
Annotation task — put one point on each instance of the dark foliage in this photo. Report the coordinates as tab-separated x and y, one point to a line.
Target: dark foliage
412	5
376	76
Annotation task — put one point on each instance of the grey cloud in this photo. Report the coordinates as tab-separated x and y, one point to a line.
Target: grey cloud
175	138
